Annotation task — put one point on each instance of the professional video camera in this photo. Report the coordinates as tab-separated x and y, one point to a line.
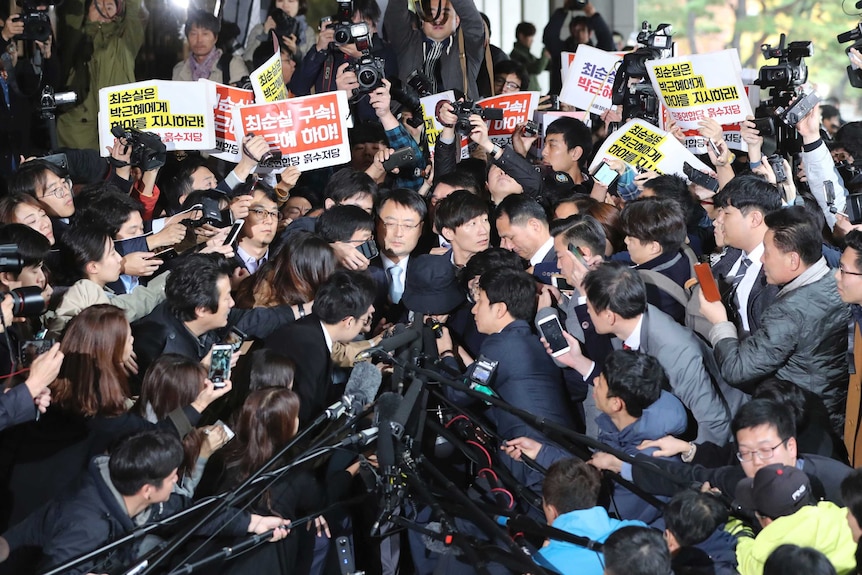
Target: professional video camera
787	101
148	151
284	25
855	35
418	86
638	99
26	301
467	108
48	102
37	24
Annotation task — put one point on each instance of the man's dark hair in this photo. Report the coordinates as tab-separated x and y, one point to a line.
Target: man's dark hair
105	206
32	246
692	516
520	208
366	133
507	67
368	9
345	184
31	175
81	244
516	289
575	133
655	220
749	192
790	558
193	283
580	20
526	29
146	458
764	412
344	294
853	239
571	485
407	198
584	231
339	223
490	259
460	180
828	111
636	378
793	230
181	184
674	187
617	287
851	493
202	19
457	209
267	190
636	551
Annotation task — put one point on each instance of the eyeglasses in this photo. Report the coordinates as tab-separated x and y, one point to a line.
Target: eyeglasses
763	454
264	215
510	85
844	272
392	226
60	190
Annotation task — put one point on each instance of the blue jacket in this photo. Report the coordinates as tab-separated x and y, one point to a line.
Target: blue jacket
667	416
570	559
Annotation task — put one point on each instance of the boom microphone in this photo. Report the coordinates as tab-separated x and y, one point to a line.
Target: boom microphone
392	343
361	389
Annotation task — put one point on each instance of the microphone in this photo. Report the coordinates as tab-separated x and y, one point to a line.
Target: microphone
441	545
399	339
361	388
361	439
387	407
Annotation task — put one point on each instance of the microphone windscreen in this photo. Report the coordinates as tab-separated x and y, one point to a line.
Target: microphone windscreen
387	404
364	381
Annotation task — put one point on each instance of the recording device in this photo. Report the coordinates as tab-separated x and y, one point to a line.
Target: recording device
26	301
370	70
368	248
777	164
220	364
766	126
553	103
531	128
235	338
284	25
702	179
345	556
233	234
639	100
579	255
605	174
798	109
32	349
230	433
59	160
344	30
855	35
210	214
148	150
418	86
790	70
399	158
714	147
37	24
560	282
273	154
577	4
361	389
482	375
467	108
401	336
552	331
707	282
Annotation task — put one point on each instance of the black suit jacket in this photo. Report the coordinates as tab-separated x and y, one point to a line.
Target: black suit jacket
383	308
304	343
761	297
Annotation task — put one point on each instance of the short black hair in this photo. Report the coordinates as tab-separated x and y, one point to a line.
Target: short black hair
346	183
575	133
636	378
104	205
490	259
339	223
457	209
520	208
851	493
793	230
507	67
585	231
759	412
193	283
617	287
571	485
636	551
344	294
146	458
270	369
366	133
80	245
202	19
525	29
692	516
749	192
267	190
460	180
368	8
407	198
853	240
181	183
516	289
31	175
655	220
32	246
790	558
829	111
674	187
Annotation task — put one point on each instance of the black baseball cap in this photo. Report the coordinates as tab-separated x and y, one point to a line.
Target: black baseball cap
775	491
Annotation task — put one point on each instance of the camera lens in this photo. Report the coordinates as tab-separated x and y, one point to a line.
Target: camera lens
28	301
367	77
342	36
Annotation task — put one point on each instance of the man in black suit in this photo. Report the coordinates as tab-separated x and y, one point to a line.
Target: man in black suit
523	228
342	307
742	206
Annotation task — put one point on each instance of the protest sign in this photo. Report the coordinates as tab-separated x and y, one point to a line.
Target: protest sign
176	111
566	61
639	143
433	127
518	107
226	98
701	86
310	132
267	82
590	80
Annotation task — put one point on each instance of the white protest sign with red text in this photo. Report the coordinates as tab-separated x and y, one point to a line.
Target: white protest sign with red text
590	81
518	107
226	99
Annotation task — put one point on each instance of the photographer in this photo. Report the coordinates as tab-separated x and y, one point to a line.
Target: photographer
326	67
287	18
581	29
207	61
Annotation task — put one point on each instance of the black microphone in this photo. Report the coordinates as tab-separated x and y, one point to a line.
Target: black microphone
361	439
361	389
387	405
399	339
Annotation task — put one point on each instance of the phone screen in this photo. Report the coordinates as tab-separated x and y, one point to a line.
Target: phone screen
220	364
605	175
233	234
552	331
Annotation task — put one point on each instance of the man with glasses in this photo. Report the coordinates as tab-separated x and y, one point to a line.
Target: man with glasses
258	232
849	283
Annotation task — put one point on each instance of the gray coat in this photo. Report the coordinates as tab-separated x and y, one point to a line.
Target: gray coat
802	339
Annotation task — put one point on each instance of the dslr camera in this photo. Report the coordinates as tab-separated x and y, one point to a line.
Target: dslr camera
284	25
26	301
466	109
37	25
148	150
370	70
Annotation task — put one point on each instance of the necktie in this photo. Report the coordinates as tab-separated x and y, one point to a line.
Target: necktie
396	288
740	273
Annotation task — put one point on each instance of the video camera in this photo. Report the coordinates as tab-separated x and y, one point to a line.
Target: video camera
148	150
791	70
855	36
467	108
639	100
37	24
284	25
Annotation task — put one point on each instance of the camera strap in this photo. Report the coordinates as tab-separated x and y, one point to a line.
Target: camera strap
462	57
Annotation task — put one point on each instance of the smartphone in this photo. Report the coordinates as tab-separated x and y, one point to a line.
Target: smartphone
707	282
235	338
695	176
715	149
59	160
552	331
32	349
399	158
531	128
559	281
606	175
777	164
368	248
579	255
220	364
233	234
165	255
227	430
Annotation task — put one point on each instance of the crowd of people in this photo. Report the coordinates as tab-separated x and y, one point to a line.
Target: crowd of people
169	332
